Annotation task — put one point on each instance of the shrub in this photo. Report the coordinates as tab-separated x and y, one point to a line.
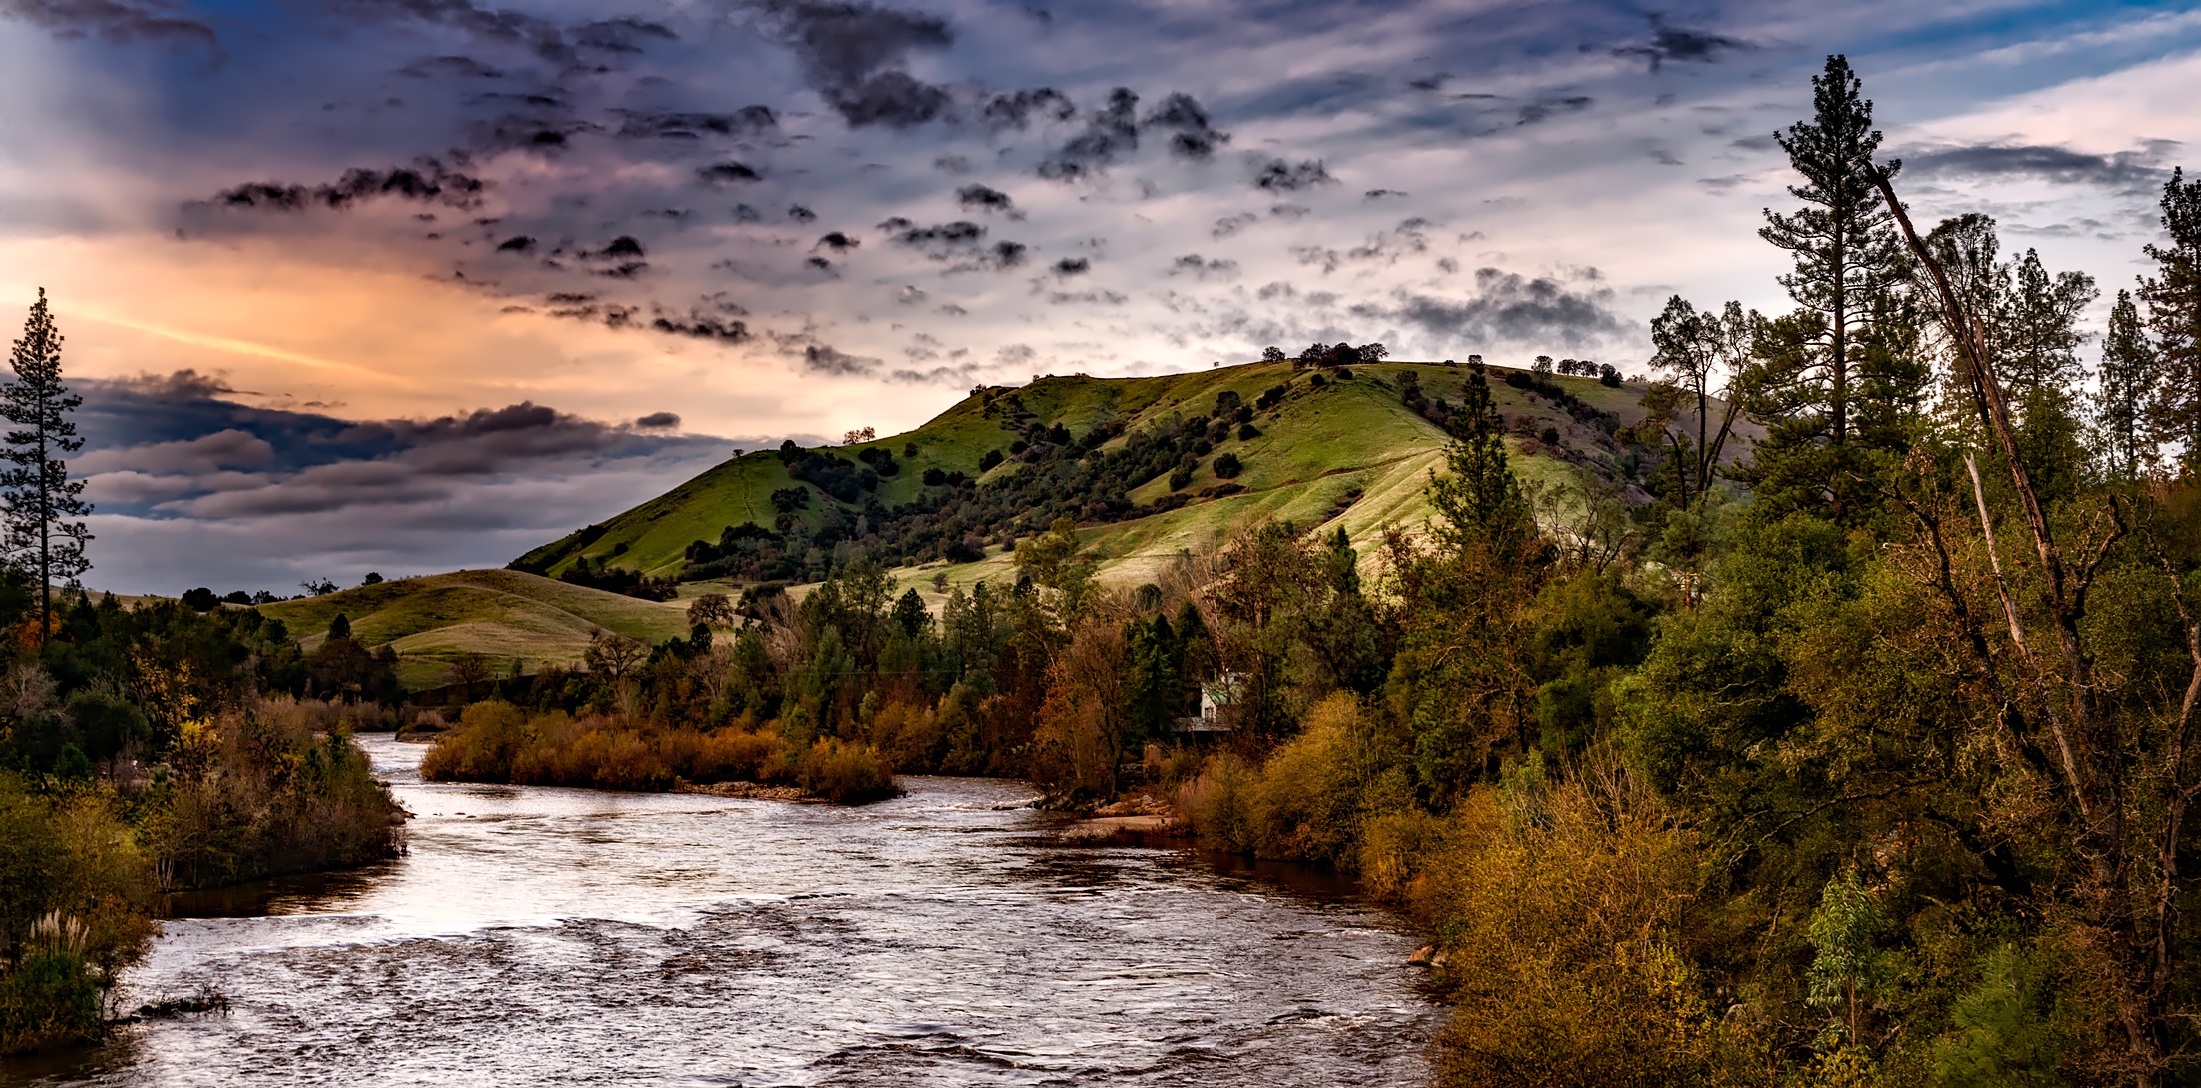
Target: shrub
1227	466
992	458
1247	432
847	773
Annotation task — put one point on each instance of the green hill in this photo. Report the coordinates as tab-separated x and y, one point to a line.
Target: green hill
1349	451
1133	460
505	614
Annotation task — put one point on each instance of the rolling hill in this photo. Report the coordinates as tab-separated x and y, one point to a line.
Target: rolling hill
1134	460
505	614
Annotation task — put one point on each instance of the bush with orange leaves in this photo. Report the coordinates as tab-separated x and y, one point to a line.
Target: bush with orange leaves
498	742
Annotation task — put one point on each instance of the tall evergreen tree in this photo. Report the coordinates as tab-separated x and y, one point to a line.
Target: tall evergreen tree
2173	296
1805	384
2120	407
1479	504
41	503
2039	338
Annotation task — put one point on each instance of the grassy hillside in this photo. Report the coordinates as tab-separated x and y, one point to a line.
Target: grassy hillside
506	614
1316	447
1329	452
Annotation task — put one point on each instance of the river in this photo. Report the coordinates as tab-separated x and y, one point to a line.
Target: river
558	936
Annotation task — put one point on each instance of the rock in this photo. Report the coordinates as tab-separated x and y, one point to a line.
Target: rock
1423	955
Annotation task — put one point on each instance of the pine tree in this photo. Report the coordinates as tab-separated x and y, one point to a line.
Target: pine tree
1479	504
1813	363
2120	408
2040	335
2174	313
39	501
1844	249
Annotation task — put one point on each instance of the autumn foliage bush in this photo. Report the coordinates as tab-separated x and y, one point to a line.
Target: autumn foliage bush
498	742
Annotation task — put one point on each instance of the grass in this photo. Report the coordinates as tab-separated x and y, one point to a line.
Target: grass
505	614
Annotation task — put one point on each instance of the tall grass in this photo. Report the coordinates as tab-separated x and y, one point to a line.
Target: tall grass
75	897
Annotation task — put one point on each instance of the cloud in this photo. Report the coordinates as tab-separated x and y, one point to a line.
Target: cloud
1409	238
822	359
450	67
658	421
2124	170
1232	224
838	242
1073	266
227	448
117	22
1203	268
1193	134
1544	109
984	198
1278	176
938	242
427	181
1016	110
854	54
1507	307
749	121
1110	133
1674	43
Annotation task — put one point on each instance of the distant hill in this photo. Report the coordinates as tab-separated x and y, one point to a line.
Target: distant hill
1123	456
502	613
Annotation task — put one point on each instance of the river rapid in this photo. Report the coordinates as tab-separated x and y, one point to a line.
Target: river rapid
557	936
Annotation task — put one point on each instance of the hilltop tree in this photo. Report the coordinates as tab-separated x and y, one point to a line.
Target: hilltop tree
2173	296
1848	264
1691	347
42	505
2120	407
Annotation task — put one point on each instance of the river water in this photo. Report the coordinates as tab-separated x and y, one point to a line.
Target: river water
555	936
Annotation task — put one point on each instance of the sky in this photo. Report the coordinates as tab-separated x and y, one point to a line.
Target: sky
413	285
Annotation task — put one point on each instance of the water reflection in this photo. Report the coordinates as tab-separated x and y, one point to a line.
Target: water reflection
535	936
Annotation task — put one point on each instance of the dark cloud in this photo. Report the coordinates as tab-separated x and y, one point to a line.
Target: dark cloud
749	121
800	214
1193	133
999	257
853	53
658	421
1102	298
1073	266
698	325
937	242
1110	132
838	242
727	173
821	359
1232	224
518	243
1016	110
1381	194
622	35
449	68
117	22
428	181
1510	308
975	197
1204	268
1674	43
1278	176
1544	109
2123	170
952	164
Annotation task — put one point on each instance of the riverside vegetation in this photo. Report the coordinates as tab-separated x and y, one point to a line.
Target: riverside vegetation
145	750
1863	758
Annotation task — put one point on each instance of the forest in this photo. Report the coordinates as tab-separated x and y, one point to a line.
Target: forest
1861	758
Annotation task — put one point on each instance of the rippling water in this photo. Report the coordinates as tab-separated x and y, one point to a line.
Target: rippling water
552	936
